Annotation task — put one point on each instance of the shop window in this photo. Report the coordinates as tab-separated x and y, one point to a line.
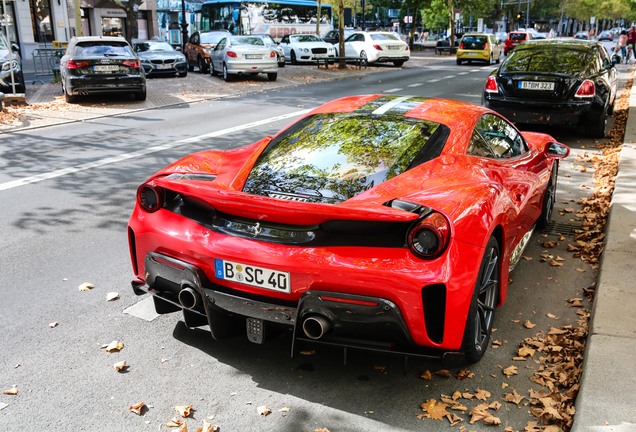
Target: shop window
42	20
113	26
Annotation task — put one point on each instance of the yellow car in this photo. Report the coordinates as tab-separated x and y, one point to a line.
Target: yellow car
478	47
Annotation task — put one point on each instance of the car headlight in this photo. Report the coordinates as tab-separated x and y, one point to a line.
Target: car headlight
8	65
306	50
208	51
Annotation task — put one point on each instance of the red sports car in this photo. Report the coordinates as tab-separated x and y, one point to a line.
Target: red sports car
377	222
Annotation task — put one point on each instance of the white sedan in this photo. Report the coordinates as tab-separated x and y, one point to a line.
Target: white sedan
377	47
306	48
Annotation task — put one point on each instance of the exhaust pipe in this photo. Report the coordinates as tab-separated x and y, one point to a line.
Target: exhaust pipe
316	326
189	298
82	93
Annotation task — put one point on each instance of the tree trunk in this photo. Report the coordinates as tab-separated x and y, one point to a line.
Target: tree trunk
451	10
342	64
130	8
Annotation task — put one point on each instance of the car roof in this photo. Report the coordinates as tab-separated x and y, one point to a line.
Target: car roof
96	38
558	42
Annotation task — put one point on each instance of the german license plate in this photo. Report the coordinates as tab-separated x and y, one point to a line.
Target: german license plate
536	85
253	56
394	47
163	66
106	68
251	275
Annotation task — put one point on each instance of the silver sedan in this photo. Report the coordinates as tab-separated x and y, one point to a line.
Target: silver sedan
243	55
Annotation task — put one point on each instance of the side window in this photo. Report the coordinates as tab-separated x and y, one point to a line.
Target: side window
479	147
220	45
285	40
502	138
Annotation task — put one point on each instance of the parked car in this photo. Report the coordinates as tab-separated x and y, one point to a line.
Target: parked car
160	58
199	47
11	75
333	36
377	47
399	235
478	47
270	42
243	55
606	35
515	38
101	65
305	48
557	82
583	35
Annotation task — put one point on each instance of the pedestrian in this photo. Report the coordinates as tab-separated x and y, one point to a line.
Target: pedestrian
631	39
622	46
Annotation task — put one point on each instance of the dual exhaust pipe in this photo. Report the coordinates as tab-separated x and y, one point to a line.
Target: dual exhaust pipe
314	326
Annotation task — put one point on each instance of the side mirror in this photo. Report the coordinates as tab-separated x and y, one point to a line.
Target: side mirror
15	47
557	150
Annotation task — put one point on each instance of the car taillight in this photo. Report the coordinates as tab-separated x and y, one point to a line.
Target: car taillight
586	89
150	197
486	46
429	237
491	85
378	47
231	54
272	54
76	64
461	45
406	48
132	63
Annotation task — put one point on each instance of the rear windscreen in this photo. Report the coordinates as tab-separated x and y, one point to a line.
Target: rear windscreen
551	60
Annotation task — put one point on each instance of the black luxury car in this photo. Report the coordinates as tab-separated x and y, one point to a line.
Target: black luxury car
561	82
100	65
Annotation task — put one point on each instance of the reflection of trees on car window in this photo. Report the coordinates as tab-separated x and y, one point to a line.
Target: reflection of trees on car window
567	61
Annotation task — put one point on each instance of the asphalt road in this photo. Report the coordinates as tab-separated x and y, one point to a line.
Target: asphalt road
66	225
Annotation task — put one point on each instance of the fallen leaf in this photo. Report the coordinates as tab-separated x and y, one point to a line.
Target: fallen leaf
482	394
550	315
183	410
137	408
86	286
53	324
207	427
511	370
308	353
112	296
434	410
119	366
513	397
554	263
114	346
427	375
264	410
528	324
175	422
12	391
284	410
443	373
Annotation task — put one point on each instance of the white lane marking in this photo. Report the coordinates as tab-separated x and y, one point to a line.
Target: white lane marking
463	73
415	85
143	309
125	156
434	80
475	70
390	105
393	90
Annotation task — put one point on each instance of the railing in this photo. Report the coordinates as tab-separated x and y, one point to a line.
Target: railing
46	62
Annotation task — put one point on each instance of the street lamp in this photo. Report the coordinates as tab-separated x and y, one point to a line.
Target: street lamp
184	26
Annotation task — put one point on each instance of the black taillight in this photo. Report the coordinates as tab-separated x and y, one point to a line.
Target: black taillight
429	237
150	197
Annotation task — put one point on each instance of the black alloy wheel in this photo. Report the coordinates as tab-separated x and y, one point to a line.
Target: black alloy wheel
482	309
549	198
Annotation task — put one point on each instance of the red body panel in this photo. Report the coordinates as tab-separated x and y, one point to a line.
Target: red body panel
478	196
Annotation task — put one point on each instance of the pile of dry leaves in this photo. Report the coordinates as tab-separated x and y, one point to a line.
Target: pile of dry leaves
559	352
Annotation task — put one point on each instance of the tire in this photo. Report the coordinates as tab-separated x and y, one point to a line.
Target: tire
459	62
190	66
281	64
490	60
182	74
482	308
213	72
549	198
140	96
69	98
364	57
292	55
398	63
201	65
226	76
272	76
596	129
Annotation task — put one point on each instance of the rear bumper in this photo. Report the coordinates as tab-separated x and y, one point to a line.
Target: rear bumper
252	67
97	85
548	112
355	321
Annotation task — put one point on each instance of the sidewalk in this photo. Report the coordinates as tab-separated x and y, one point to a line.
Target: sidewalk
606	399
605	402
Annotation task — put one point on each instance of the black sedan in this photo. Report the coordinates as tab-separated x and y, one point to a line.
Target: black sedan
99	65
160	58
560	82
